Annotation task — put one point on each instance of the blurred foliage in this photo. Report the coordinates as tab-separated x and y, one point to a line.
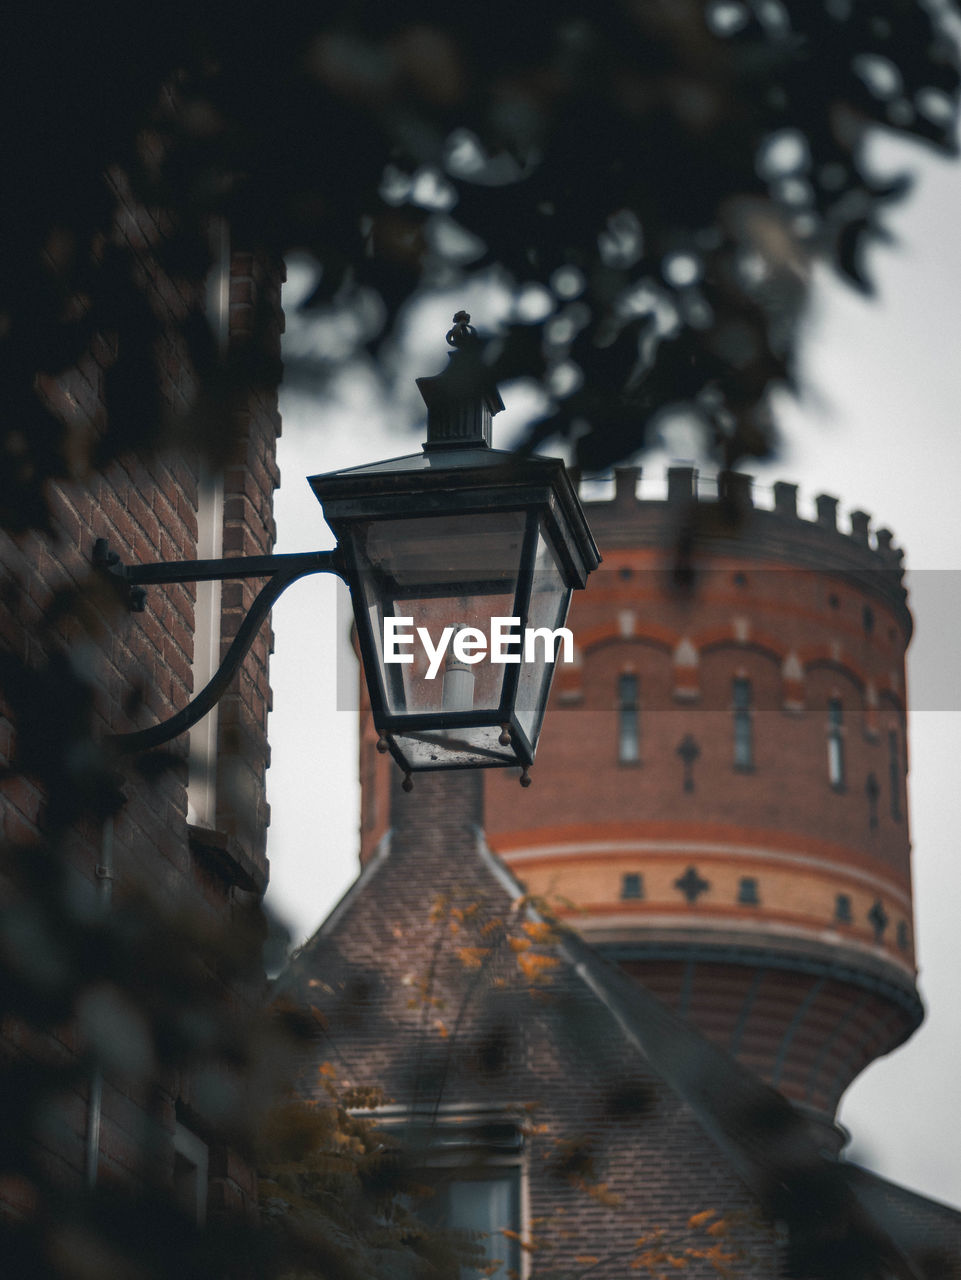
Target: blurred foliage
650	180
340	1194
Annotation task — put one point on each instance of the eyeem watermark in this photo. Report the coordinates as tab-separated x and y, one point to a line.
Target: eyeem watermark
506	643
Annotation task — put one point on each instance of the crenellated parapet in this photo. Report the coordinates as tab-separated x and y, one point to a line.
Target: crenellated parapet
686	521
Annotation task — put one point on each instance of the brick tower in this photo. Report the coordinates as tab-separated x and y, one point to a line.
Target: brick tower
719	796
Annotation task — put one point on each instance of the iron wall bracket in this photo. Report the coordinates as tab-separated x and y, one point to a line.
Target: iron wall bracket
279	570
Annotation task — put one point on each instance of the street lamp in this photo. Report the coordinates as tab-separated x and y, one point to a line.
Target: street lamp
460	561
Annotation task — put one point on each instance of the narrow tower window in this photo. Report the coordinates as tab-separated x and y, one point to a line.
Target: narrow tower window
743	725
632	885
747	893
872	791
628	720
894	774
842	908
836	744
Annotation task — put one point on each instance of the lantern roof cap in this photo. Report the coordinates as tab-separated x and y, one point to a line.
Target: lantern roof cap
461	399
437	460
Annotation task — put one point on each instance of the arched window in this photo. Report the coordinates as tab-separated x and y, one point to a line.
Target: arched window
743	724
628	720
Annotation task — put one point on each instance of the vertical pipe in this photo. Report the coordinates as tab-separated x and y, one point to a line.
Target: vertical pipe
104	872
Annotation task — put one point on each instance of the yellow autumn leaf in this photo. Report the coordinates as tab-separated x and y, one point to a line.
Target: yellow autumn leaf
718	1228
699	1219
603	1195
538	930
472	957
535	966
519	944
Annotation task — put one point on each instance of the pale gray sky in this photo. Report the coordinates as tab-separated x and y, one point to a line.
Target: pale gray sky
879	428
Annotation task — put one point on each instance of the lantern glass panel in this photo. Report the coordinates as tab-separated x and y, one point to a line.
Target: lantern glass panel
550	597
443	574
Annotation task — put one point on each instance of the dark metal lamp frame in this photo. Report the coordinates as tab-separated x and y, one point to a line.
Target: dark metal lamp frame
500	482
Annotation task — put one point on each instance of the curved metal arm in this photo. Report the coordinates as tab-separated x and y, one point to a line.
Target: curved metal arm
286	569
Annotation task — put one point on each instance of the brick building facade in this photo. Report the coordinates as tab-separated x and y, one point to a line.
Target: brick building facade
107	1084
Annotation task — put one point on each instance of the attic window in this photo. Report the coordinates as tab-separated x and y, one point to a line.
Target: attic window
483	1205
472	1167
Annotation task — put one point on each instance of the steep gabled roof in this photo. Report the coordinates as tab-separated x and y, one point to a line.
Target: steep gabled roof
838	1226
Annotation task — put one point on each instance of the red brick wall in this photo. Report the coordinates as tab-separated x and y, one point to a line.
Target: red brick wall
139	671
250	479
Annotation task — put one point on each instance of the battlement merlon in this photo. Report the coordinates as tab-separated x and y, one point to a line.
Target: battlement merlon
724	524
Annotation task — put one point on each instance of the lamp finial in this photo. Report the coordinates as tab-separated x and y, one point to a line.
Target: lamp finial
463	332
461	400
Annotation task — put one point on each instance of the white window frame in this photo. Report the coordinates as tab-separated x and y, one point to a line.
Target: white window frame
202	749
448	1154
192	1152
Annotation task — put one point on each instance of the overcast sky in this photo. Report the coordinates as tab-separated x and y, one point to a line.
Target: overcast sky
879	428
